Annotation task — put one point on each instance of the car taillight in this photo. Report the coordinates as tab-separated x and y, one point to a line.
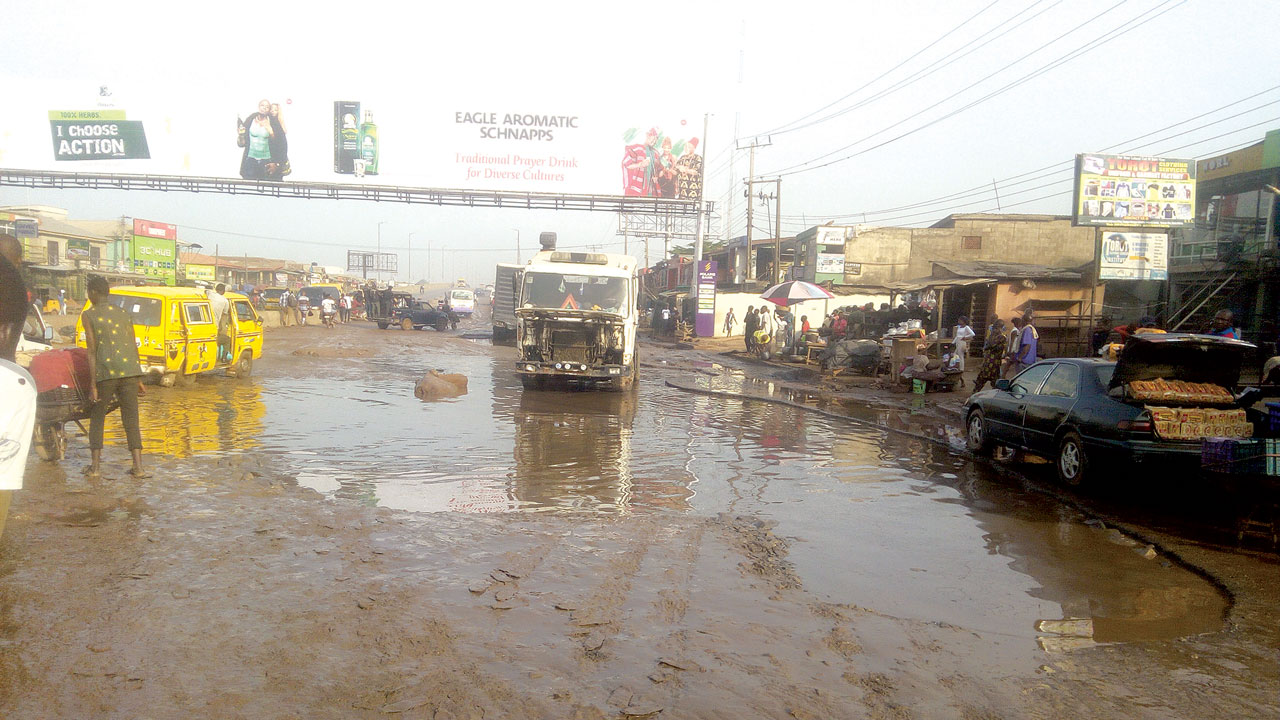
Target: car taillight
1135	425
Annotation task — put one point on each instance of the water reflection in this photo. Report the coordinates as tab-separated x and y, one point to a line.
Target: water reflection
216	414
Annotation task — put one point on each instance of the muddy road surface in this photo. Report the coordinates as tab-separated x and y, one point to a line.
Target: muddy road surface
318	542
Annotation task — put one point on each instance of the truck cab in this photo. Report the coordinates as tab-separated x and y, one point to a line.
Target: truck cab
576	320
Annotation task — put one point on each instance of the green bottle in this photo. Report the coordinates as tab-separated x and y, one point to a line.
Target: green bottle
369	144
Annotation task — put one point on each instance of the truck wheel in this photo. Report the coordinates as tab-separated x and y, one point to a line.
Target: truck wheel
406	324
383	324
442	324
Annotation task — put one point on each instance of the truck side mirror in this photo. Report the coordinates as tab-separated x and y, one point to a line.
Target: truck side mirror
48	334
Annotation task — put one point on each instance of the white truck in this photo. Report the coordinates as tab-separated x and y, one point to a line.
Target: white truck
576	319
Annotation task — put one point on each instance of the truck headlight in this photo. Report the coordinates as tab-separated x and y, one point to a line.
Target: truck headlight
615	371
559	366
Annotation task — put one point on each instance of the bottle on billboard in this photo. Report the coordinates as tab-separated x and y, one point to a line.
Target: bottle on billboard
369	144
346	136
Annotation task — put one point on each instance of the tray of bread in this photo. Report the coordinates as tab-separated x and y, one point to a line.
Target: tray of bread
1180	392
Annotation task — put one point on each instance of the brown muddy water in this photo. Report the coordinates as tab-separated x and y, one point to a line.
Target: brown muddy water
877	519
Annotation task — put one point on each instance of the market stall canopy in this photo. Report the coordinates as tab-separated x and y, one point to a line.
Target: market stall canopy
795	291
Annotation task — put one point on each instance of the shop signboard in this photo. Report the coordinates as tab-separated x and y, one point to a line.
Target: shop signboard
1134	256
705	319
198	272
156	258
1134	191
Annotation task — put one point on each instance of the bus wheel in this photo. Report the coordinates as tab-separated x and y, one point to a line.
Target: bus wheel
244	368
168	379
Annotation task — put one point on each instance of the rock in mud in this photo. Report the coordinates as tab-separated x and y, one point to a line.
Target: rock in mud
436	385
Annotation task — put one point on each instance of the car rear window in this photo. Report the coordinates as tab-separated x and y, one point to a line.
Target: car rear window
1104	374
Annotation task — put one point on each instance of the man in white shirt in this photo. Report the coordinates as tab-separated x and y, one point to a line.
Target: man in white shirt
17	388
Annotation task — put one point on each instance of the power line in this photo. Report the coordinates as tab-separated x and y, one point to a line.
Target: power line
1130	26
882	75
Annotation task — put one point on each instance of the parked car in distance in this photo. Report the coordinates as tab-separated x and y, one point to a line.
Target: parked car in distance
271	298
1083	412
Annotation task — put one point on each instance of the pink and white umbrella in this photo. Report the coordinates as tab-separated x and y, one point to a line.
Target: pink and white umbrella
795	291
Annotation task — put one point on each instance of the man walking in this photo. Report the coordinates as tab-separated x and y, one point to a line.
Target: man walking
749	325
114	367
1028	343
729	322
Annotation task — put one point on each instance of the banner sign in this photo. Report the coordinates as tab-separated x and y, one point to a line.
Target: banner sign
517	140
155	258
151	228
1134	191
705	319
1134	256
97	135
198	272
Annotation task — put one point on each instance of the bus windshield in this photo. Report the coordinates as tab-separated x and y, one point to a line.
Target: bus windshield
574	292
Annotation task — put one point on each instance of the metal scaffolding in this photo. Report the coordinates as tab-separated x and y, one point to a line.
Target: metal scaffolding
672	211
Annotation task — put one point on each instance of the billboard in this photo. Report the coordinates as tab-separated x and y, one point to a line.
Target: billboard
519	140
154	250
1134	256
1134	191
198	272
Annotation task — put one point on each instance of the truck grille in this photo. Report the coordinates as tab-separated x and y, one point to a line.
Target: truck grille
571	346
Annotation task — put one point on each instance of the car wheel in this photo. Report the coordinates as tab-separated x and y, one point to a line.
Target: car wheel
406	324
383	324
442	324
1073	463
975	434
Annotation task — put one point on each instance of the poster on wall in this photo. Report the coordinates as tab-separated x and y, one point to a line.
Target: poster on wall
1134	256
1134	191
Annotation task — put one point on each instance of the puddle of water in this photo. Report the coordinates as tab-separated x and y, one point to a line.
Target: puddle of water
876	519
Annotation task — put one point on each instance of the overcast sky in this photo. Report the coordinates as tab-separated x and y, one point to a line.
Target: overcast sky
883	113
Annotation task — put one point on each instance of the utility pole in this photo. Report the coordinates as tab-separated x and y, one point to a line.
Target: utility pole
517	245
777	232
377	260
702	176
751	176
409	259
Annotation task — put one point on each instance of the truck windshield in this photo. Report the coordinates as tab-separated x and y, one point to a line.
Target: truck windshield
574	292
145	311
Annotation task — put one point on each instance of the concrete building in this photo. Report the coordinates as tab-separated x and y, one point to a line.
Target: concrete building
1231	258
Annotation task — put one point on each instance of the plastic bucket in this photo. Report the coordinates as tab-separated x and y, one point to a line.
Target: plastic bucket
917	387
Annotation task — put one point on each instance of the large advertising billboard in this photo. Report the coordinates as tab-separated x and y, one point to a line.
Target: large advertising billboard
1134	191
521	144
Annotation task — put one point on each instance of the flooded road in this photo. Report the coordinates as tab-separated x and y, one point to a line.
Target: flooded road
317	541
877	519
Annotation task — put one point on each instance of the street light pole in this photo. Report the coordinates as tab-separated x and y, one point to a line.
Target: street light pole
376	258
517	245
409	259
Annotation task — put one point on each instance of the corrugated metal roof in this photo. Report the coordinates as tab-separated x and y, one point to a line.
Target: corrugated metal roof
1002	271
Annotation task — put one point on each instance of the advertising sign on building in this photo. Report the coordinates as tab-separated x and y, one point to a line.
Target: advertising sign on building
1134	256
198	272
151	228
705	320
1134	191
77	249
